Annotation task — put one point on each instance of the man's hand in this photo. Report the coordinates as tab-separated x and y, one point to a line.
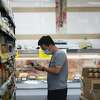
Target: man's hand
40	68
30	62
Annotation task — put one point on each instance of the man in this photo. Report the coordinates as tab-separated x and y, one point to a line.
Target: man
57	70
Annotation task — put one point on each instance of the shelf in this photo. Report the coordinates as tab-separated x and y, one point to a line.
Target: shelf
11	55
4	87
6	32
7	57
4	11
7	35
83	50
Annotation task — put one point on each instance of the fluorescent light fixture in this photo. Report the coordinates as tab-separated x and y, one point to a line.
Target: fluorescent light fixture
33	0
94	3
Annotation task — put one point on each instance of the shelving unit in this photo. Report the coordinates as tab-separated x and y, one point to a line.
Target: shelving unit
6	12
7	54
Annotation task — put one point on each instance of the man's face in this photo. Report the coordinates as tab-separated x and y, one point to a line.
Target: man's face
44	47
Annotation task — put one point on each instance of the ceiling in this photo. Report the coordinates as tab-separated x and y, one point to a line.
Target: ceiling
82	3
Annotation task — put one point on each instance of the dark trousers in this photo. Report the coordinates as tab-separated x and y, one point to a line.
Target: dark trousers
59	94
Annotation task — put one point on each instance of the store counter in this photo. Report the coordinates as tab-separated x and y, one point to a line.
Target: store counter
37	90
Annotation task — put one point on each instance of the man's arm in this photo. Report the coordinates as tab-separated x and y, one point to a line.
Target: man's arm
58	64
52	70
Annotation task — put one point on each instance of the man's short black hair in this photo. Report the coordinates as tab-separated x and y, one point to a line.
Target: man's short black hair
46	40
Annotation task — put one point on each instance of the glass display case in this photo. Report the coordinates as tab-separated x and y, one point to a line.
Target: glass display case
24	71
76	62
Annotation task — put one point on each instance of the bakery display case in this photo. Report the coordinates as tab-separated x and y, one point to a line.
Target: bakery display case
29	79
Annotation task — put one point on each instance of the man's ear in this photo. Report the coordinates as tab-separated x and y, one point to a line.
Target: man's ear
49	46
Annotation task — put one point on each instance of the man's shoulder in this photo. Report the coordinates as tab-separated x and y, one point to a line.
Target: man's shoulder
60	52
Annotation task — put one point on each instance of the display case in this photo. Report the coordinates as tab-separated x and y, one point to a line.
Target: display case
24	71
76	62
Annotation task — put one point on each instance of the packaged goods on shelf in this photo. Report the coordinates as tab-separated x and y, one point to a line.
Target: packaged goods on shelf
7	44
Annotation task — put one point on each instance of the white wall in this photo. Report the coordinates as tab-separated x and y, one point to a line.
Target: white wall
83	22
30	44
35	23
45	23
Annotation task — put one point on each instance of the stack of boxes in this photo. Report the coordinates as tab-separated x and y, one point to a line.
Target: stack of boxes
90	84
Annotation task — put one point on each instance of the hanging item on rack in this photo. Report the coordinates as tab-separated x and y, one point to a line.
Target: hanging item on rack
60	13
64	13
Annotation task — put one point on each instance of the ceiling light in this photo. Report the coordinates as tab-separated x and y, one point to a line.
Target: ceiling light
33	0
94	3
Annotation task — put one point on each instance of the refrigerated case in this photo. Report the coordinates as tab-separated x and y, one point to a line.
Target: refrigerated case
33	84
76	62
24	71
30	83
